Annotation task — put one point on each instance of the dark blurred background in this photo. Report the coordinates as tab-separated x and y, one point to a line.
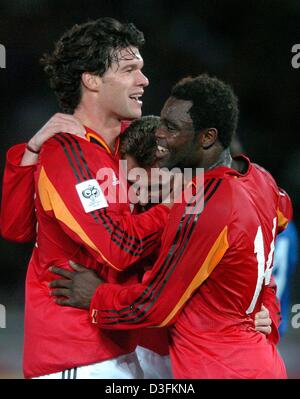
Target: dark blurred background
246	43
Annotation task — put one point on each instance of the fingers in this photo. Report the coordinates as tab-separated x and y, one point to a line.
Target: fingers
263	322
264	330
63	302
68	302
61	272
63	126
262	314
69	120
61	292
58	123
60	284
77	267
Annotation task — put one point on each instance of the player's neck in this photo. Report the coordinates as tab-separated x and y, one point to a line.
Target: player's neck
222	159
107	127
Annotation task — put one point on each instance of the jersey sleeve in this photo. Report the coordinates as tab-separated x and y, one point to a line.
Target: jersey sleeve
112	234
192	246
17	219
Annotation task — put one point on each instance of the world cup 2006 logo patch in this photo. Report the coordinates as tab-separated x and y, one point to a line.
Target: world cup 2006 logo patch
91	195
91	192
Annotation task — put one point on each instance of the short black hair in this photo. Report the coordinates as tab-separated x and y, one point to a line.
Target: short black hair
139	140
88	47
214	105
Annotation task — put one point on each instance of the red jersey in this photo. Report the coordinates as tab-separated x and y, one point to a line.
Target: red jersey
211	275
107	240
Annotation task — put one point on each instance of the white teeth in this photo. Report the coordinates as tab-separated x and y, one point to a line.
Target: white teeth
162	149
135	97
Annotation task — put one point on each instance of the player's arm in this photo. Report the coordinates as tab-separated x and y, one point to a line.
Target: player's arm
57	123
68	170
79	286
18	219
193	245
272	303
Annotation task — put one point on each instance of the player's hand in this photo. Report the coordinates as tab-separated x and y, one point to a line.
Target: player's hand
57	124
77	287
262	321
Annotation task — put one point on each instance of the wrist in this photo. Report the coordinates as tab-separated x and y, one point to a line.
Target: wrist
32	147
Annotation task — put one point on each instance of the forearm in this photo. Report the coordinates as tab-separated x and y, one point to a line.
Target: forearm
116	307
29	158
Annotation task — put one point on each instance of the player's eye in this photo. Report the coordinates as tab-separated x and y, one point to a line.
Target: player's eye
171	128
163	124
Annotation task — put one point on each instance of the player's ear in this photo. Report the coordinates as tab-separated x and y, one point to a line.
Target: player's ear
208	137
90	81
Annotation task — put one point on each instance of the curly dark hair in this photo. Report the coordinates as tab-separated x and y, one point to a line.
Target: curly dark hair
214	105
139	140
89	47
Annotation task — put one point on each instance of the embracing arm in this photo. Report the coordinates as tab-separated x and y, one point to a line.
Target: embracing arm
17	219
191	249
103	225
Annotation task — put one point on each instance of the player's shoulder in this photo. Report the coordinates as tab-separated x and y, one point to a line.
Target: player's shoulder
64	152
216	181
264	173
62	142
66	148
219	193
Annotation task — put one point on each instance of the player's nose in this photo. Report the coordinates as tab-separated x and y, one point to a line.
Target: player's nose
160	134
142	80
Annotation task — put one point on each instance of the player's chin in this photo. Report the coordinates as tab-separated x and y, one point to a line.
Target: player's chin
164	162
135	112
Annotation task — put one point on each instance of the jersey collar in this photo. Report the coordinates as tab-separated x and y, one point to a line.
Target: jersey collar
220	171
96	138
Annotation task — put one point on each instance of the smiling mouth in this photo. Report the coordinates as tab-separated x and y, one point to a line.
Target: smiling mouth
136	98
161	151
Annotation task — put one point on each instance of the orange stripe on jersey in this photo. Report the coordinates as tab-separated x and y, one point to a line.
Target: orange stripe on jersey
52	201
117	145
99	140
102	142
282	220
214	256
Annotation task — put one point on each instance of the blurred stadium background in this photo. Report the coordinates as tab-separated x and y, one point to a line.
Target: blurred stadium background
246	43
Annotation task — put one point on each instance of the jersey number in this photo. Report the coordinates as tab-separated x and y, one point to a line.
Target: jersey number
264	269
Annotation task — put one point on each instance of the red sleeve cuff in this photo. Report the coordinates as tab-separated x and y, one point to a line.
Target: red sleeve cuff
94	306
14	156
